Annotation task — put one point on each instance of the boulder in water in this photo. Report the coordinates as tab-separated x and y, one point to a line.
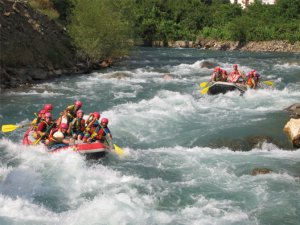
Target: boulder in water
119	75
294	110
292	128
207	64
257	171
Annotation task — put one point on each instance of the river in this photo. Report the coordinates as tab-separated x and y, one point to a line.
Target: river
188	157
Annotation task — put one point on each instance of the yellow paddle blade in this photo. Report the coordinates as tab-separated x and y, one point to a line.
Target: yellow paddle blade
268	82
9	127
118	150
204	91
203	84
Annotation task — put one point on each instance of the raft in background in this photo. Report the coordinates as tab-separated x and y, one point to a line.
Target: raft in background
220	87
224	87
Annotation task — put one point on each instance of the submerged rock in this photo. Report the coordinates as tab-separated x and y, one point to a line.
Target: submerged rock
257	171
292	128
243	144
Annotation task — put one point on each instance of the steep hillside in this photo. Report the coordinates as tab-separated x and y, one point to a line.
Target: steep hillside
32	47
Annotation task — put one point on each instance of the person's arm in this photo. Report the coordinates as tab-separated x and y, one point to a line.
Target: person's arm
213	77
254	83
88	119
91	123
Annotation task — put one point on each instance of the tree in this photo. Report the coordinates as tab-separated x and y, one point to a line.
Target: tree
98	29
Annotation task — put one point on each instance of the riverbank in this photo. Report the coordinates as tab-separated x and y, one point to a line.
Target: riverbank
34	48
259	46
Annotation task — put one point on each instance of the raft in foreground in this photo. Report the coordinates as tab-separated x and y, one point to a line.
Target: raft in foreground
90	150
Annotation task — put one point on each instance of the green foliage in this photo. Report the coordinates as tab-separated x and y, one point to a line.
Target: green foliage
102	28
98	30
289	9
45	7
166	20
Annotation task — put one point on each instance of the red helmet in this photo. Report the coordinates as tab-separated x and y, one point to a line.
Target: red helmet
97	115
235	66
104	121
63	126
217	69
79	111
48	107
78	103
48	115
41	112
224	72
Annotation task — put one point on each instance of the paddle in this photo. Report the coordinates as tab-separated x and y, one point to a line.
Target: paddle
203	84
119	150
205	90
269	82
11	127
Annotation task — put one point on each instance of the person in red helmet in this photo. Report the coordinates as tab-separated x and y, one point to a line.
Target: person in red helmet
102	133
251	83
44	127
217	75
58	136
224	75
253	79
72	109
91	124
256	76
236	76
39	118
48	107
77	126
69	113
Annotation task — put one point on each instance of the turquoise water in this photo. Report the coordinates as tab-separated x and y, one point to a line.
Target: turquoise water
188	158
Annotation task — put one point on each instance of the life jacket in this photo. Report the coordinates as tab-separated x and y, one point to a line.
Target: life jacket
46	128
250	82
101	134
78	124
92	127
234	76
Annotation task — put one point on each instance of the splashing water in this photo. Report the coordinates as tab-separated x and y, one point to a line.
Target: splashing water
181	166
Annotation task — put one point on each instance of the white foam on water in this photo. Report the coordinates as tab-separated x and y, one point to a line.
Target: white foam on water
21	210
287	66
42	94
210	211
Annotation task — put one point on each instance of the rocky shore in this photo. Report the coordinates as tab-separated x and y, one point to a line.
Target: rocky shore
34	48
262	46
